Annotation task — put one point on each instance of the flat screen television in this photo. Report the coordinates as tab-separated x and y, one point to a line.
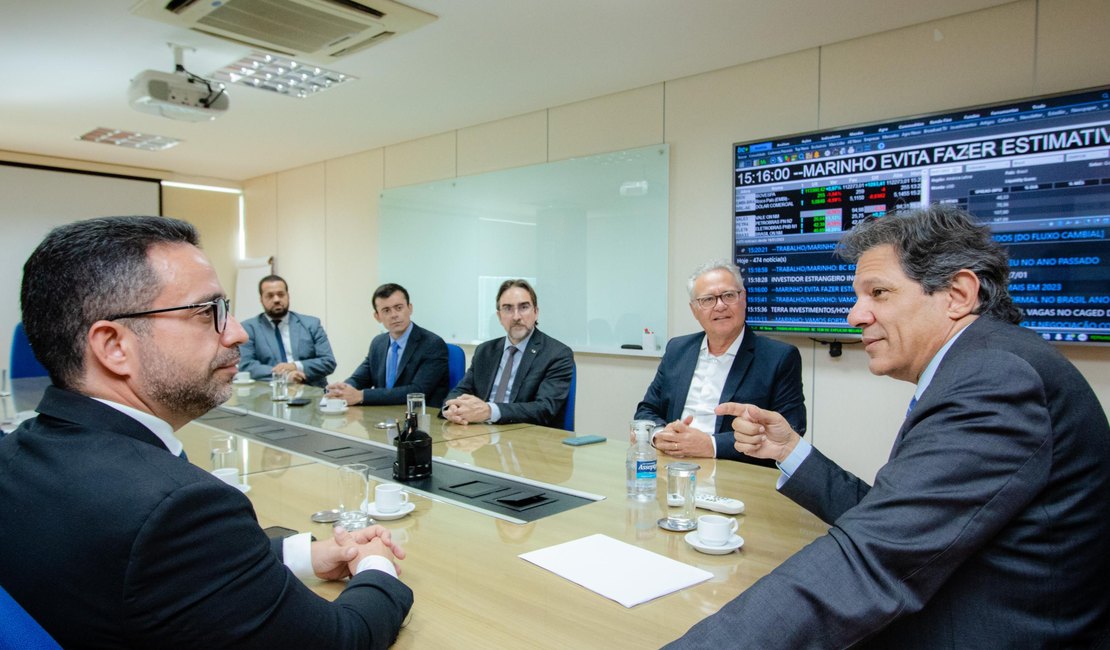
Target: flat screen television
1036	170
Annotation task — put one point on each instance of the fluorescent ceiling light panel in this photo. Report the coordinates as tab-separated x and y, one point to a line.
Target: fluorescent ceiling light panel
130	139
281	75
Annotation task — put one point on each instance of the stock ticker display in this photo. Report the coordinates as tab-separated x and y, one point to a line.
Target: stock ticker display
1036	170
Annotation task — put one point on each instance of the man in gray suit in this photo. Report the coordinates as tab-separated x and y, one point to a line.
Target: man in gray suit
522	377
987	527
285	341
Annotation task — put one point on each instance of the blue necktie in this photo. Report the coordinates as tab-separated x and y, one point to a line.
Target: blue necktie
183	456
280	343
913	403
391	365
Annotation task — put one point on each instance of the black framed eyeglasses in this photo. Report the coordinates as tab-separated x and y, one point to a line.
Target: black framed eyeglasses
220	308
706	303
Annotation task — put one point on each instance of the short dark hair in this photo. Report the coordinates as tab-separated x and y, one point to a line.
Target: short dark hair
385	291
87	271
933	244
519	284
272	278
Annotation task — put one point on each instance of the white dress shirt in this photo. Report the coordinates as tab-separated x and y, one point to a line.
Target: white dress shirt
707	385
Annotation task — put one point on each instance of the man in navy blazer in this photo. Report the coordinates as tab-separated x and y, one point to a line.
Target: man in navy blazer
110	537
303	351
987	526
725	363
522	377
405	359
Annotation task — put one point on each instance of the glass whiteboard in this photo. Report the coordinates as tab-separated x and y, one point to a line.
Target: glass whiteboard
589	233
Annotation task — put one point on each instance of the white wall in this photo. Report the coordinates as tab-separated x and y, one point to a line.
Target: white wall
321	220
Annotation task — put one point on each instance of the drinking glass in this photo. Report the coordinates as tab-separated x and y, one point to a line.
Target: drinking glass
225	451
354	487
682	481
279	387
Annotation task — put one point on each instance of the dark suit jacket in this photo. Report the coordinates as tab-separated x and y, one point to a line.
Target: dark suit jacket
542	383
259	354
423	369
987	528
765	372
111	541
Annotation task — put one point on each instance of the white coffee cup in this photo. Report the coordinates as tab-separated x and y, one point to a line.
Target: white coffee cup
715	530
334	404
243	377
229	475
389	497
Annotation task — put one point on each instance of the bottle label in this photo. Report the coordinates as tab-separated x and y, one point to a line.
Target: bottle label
645	469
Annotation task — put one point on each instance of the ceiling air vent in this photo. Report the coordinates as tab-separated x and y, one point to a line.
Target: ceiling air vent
319	30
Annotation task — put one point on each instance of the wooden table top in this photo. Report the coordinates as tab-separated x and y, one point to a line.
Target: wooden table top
471	588
473	591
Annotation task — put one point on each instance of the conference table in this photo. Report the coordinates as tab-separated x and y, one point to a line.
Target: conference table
471	588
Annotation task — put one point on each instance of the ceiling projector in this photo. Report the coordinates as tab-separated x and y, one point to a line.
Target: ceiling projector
178	96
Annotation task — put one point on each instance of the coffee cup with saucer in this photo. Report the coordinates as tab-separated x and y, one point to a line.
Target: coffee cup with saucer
715	535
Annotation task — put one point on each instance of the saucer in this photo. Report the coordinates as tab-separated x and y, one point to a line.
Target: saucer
236	382
734	543
244	488
334	411
372	510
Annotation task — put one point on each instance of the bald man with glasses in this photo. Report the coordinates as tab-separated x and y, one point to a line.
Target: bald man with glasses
725	362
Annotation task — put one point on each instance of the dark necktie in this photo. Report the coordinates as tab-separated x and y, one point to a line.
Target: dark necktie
280	343
391	365
506	373
183	456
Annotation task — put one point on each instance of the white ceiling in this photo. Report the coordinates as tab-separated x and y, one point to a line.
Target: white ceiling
67	64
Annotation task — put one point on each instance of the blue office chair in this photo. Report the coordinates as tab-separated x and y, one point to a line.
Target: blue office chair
568	419
18	630
456	365
24	363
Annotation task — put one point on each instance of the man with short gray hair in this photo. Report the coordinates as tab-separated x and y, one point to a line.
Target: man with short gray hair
726	362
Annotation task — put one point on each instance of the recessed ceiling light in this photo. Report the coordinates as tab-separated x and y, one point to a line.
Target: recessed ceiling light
280	75
130	139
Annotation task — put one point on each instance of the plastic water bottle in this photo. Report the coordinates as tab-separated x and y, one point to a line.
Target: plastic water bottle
641	462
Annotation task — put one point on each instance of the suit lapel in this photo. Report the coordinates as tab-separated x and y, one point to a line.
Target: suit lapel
410	349
535	344
684	376
744	357
486	372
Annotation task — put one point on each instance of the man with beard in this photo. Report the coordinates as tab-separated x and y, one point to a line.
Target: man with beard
283	341
110	537
522	377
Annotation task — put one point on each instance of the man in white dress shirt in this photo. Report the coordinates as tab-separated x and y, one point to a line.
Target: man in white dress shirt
725	362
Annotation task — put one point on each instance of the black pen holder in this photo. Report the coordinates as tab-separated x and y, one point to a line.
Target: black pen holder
414	457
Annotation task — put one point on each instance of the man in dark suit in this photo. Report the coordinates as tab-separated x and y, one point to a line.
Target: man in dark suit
522	377
110	538
987	527
284	341
405	359
725	363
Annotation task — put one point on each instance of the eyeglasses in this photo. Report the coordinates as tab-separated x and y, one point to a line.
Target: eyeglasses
220	307
522	308
706	303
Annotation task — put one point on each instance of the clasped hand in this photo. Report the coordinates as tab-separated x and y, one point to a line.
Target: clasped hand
338	557
465	409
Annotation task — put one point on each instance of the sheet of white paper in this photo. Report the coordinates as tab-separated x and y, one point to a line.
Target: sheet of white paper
622	572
